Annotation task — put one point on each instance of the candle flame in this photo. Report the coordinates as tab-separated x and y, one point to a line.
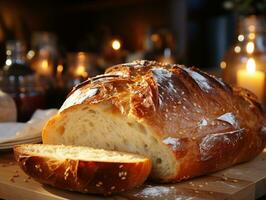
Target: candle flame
251	66
251	36
81	71
240	38
223	64
237	49
60	68
8	62
250	47
44	64
116	44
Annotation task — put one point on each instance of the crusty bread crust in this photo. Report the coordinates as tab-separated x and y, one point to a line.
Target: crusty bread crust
96	177
206	124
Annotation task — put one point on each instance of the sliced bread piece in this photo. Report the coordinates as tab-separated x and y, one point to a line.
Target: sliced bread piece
83	169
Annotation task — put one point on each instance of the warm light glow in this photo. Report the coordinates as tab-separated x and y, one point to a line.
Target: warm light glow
251	66
252	79
237	49
8	62
116	44
81	56
240	38
60	68
250	47
44	65
8	52
251	36
223	65
252	28
155	37
30	54
81	71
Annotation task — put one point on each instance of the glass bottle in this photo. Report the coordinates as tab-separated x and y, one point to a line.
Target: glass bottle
43	58
160	46
43	55
19	80
244	64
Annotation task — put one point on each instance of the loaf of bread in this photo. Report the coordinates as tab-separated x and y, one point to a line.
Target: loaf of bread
83	169
187	122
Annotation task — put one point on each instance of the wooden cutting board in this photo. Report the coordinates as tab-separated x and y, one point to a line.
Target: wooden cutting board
242	182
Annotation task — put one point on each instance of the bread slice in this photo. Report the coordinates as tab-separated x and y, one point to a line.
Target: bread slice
83	169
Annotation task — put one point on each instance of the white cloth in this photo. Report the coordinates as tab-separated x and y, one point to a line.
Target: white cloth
12	131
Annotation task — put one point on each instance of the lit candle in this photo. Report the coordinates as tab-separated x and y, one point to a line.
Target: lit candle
252	79
59	71
81	71
44	68
116	44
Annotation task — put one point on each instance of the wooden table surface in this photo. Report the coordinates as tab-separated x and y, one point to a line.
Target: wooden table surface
242	182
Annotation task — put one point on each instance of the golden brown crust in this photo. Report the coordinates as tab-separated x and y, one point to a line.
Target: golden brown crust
207	124
84	176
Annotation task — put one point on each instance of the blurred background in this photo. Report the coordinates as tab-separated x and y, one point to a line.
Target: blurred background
46	47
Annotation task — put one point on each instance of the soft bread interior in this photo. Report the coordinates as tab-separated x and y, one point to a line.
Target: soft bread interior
62	152
95	126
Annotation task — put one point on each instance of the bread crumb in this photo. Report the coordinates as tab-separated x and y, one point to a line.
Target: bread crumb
235	181
200	186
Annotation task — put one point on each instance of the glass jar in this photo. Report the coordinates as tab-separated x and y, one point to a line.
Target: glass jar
160	46
80	66
244	64
43	55
19	81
